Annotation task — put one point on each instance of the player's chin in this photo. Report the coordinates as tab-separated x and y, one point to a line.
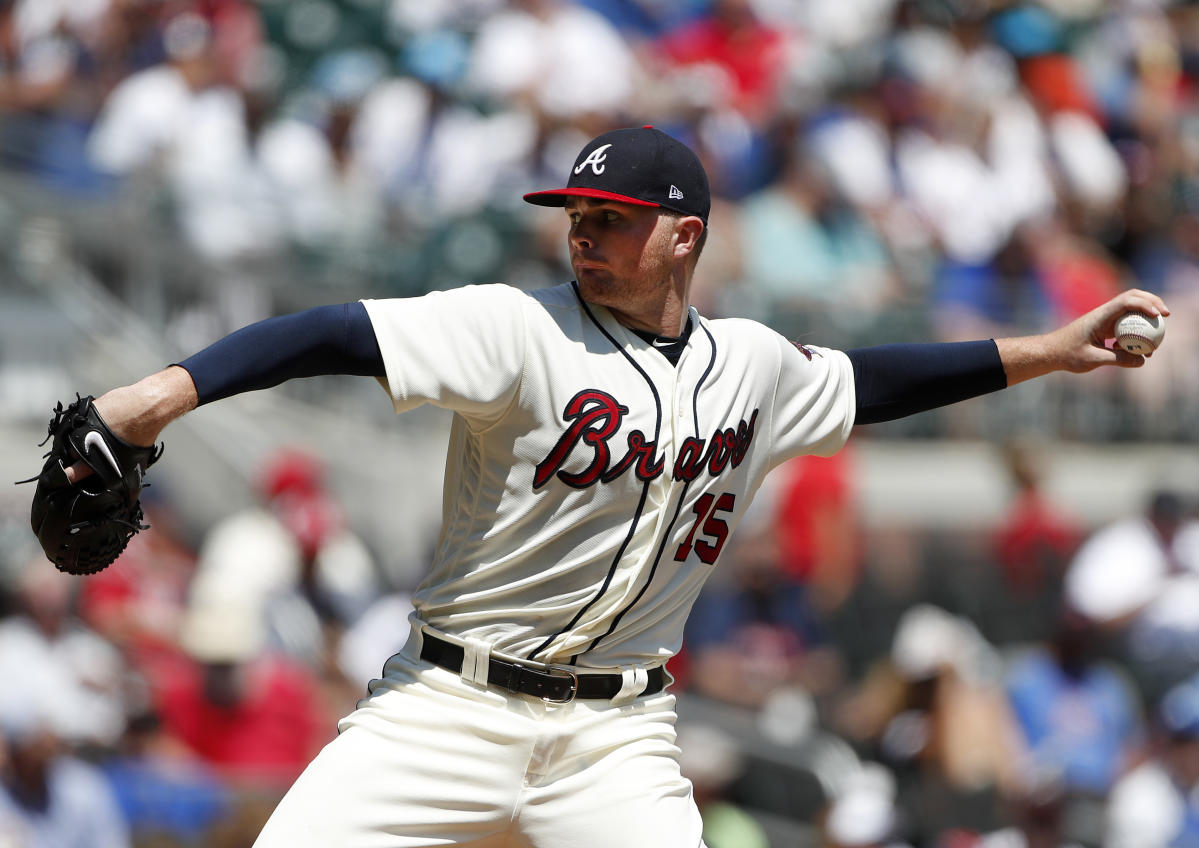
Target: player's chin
594	283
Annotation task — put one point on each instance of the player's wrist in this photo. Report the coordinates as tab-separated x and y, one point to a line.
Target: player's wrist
1027	357
139	412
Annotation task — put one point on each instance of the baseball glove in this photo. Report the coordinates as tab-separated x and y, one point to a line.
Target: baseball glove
84	526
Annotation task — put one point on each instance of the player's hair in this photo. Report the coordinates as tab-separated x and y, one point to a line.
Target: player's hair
703	237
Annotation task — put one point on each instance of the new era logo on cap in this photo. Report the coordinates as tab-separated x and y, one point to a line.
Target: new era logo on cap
643	166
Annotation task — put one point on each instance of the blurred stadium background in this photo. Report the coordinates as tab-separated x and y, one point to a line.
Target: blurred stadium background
892	650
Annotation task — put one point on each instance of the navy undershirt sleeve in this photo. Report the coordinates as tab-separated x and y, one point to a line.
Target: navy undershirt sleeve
338	339
896	380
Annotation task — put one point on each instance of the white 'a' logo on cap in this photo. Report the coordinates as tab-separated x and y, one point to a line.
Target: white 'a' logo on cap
595	159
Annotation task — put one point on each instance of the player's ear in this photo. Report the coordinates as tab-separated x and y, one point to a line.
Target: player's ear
689	231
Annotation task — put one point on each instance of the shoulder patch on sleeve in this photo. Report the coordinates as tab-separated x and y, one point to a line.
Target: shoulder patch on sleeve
805	350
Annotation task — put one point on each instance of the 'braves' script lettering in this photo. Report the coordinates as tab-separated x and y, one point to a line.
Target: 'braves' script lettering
593	417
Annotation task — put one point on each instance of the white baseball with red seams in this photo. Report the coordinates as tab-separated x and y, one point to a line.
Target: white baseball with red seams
591	485
1139	333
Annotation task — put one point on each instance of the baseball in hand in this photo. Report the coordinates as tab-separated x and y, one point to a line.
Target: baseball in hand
1139	333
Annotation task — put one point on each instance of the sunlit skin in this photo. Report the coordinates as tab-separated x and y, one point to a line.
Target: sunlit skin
634	260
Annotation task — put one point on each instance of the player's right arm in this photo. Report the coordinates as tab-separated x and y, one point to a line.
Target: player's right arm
325	340
139	412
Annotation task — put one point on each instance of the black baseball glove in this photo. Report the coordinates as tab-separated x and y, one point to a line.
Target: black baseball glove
84	526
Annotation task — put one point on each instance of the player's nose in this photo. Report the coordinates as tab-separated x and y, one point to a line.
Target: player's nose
581	237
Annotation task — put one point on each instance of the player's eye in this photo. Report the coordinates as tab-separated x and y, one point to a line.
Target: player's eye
611	216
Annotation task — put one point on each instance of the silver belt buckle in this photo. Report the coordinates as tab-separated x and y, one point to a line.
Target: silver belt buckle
574	685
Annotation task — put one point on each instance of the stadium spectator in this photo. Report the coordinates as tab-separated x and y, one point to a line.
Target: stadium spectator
50	798
292	558
754	630
137	604
183	123
45	102
819	525
712	763
310	157
797	238
934	713
528	53
862	813
54	666
1079	717
254	715
377	634
168	795
1138	577
1033	543
744	55
1155	804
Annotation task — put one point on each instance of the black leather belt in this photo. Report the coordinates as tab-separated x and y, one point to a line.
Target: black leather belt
556	685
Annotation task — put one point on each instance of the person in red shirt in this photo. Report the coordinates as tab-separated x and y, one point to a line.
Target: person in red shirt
818	526
254	714
734	39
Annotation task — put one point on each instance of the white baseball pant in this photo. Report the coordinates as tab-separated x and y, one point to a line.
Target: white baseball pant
429	758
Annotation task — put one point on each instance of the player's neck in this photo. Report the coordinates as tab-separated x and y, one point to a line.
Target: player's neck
663	314
670	321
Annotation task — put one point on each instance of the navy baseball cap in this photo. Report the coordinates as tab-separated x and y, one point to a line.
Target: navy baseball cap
643	166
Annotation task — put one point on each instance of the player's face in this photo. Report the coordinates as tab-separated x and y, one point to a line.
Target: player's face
621	253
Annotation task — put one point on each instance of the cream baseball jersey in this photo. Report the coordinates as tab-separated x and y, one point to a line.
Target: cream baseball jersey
591	485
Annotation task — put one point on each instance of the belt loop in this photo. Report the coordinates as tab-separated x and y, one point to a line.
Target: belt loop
416	638
632	683
475	659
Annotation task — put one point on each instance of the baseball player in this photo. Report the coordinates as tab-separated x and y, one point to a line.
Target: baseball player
606	440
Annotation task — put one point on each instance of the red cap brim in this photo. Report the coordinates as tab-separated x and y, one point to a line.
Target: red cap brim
557	196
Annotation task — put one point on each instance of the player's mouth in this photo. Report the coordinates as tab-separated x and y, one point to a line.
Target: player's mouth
583	267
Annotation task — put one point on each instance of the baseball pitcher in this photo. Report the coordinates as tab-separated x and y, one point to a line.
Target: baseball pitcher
606	441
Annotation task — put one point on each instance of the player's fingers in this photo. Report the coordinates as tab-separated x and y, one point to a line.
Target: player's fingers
1144	301
1100	355
1101	321
78	471
1128	360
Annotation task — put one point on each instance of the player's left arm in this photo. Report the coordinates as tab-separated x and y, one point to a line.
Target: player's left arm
1080	346
893	381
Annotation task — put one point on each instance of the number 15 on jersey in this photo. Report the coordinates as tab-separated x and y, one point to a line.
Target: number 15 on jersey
709	531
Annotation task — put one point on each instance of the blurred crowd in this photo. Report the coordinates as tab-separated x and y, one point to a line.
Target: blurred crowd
883	170
172	699
1035	683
